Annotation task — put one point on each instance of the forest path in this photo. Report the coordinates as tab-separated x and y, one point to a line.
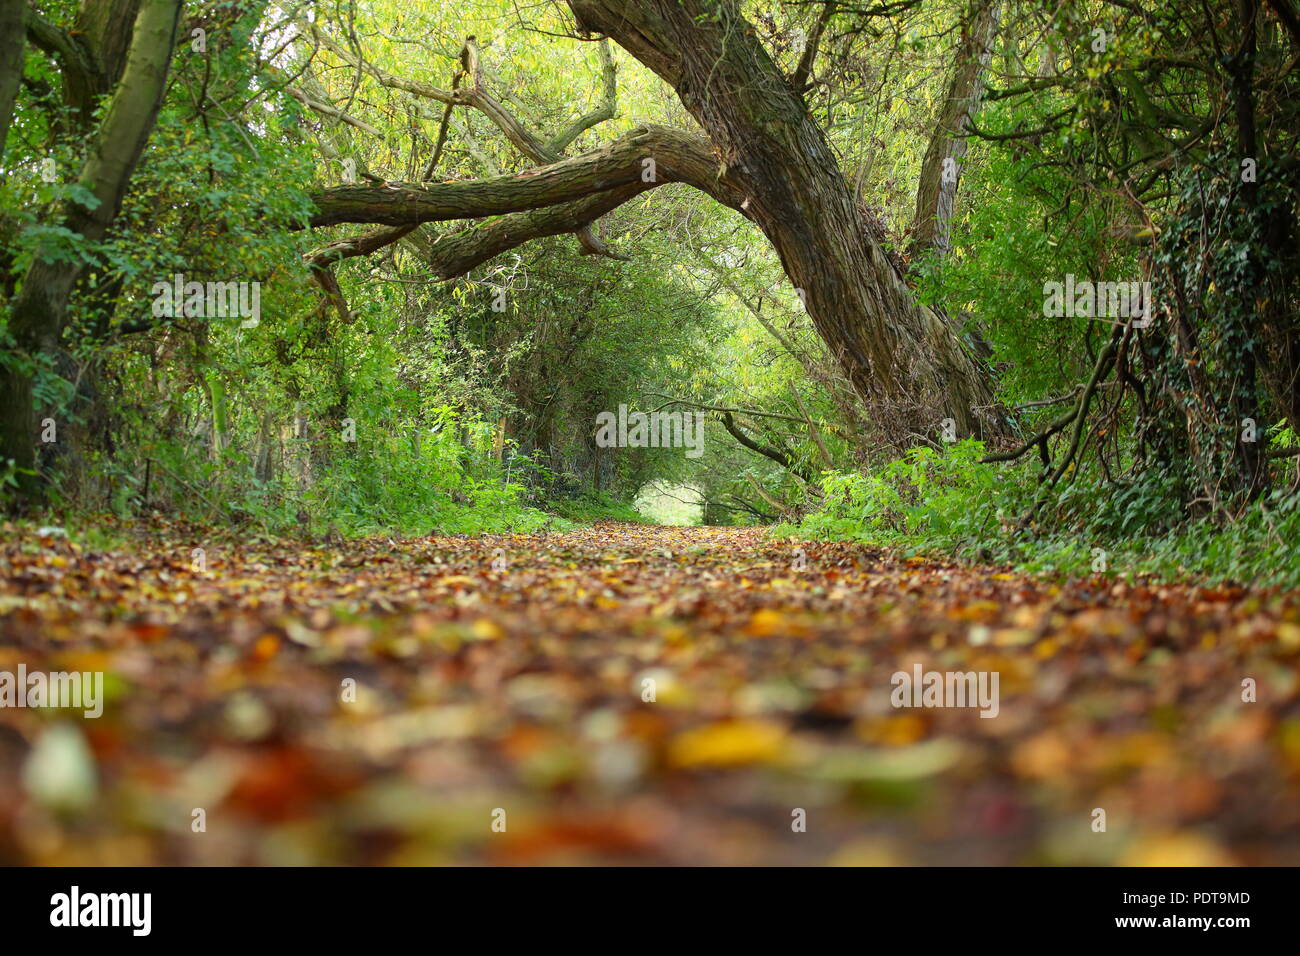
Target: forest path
507	681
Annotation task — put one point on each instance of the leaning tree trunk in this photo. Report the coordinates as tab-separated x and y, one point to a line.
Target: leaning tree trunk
908	364
39	311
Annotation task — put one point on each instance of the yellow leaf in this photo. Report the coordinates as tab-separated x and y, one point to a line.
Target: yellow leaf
1288	635
892	731
457	579
729	744
765	623
1012	637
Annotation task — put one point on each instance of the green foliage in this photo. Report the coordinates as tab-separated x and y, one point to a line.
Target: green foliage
201	417
592	506
948	504
927	500
390	482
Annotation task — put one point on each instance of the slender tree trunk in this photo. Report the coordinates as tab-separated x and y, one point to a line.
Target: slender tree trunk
908	364
936	194
16	420
1250	460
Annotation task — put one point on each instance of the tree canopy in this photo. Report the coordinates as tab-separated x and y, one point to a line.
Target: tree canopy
836	230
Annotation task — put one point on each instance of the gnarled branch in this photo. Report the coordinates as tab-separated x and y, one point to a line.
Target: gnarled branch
678	157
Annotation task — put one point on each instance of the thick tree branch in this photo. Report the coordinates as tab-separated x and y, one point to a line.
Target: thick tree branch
454	254
322	260
76	60
677	157
475	96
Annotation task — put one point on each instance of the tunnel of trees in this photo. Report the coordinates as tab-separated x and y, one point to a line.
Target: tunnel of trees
679	432
830	228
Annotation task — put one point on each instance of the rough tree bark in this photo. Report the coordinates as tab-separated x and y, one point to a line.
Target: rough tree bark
909	365
562	197
679	157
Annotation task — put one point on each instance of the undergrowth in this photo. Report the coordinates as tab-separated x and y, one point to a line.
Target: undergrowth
945	503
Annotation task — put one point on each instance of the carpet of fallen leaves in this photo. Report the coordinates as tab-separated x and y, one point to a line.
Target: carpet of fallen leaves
500	711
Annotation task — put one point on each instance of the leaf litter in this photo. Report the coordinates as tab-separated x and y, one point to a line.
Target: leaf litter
632	694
